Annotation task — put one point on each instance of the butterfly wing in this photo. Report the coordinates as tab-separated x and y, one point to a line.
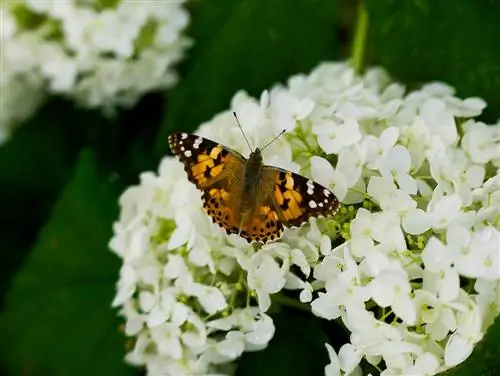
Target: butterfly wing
218	171
296	198
205	161
262	224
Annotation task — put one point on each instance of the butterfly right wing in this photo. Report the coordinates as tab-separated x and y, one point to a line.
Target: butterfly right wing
205	161
297	198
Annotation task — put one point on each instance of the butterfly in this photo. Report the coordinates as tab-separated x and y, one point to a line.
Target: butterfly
246	197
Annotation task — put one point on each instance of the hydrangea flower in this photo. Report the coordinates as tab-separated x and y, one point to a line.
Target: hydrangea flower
102	54
410	265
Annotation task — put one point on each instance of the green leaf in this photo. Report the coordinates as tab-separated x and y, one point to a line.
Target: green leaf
297	348
58	319
448	40
484	359
35	163
249	45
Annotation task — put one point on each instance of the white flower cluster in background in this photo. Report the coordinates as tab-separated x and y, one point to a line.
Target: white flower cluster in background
410	264
102	54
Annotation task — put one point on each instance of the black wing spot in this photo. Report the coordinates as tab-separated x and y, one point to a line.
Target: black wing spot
285	205
206	173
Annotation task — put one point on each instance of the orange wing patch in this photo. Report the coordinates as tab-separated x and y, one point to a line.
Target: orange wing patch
217	205
205	161
208	166
287	197
262	226
297	198
265	225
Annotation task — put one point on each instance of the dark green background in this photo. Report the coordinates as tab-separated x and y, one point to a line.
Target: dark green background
62	172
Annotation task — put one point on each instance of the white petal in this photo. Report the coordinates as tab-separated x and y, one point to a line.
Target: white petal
212	300
399	159
435	254
332	369
474	175
325	307
146	300
415	222
450	285
404	307
134	325
349	358
321	170
304	108
233	345
389	137
156	317
457	350
264	300
407	183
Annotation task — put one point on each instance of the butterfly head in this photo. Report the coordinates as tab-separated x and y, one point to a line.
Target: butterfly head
256	155
255	161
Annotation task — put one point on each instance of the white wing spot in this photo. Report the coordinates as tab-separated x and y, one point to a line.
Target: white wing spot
184	136
188	153
310	187
320	204
181	142
197	142
183	148
312	204
326	200
326	192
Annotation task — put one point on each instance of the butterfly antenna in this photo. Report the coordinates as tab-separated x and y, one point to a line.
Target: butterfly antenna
241	129
274	139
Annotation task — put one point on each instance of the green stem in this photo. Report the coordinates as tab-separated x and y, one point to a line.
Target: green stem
283	300
358	50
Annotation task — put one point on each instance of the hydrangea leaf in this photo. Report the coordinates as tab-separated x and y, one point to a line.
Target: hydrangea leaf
35	163
58	318
484	359
297	348
450	41
246	45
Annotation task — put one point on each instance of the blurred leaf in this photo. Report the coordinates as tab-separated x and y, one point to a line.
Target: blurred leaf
34	165
39	158
250	45
298	348
484	360
58	319
451	41
138	128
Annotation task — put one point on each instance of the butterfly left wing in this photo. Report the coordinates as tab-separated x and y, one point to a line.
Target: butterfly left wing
297	198
205	161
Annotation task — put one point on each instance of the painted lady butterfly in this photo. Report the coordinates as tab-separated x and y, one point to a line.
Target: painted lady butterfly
246	197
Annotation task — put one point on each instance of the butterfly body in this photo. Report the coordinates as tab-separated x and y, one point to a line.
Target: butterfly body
251	182
246	197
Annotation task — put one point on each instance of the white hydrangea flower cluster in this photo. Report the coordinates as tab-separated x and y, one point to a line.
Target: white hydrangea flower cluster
410	265
100	53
